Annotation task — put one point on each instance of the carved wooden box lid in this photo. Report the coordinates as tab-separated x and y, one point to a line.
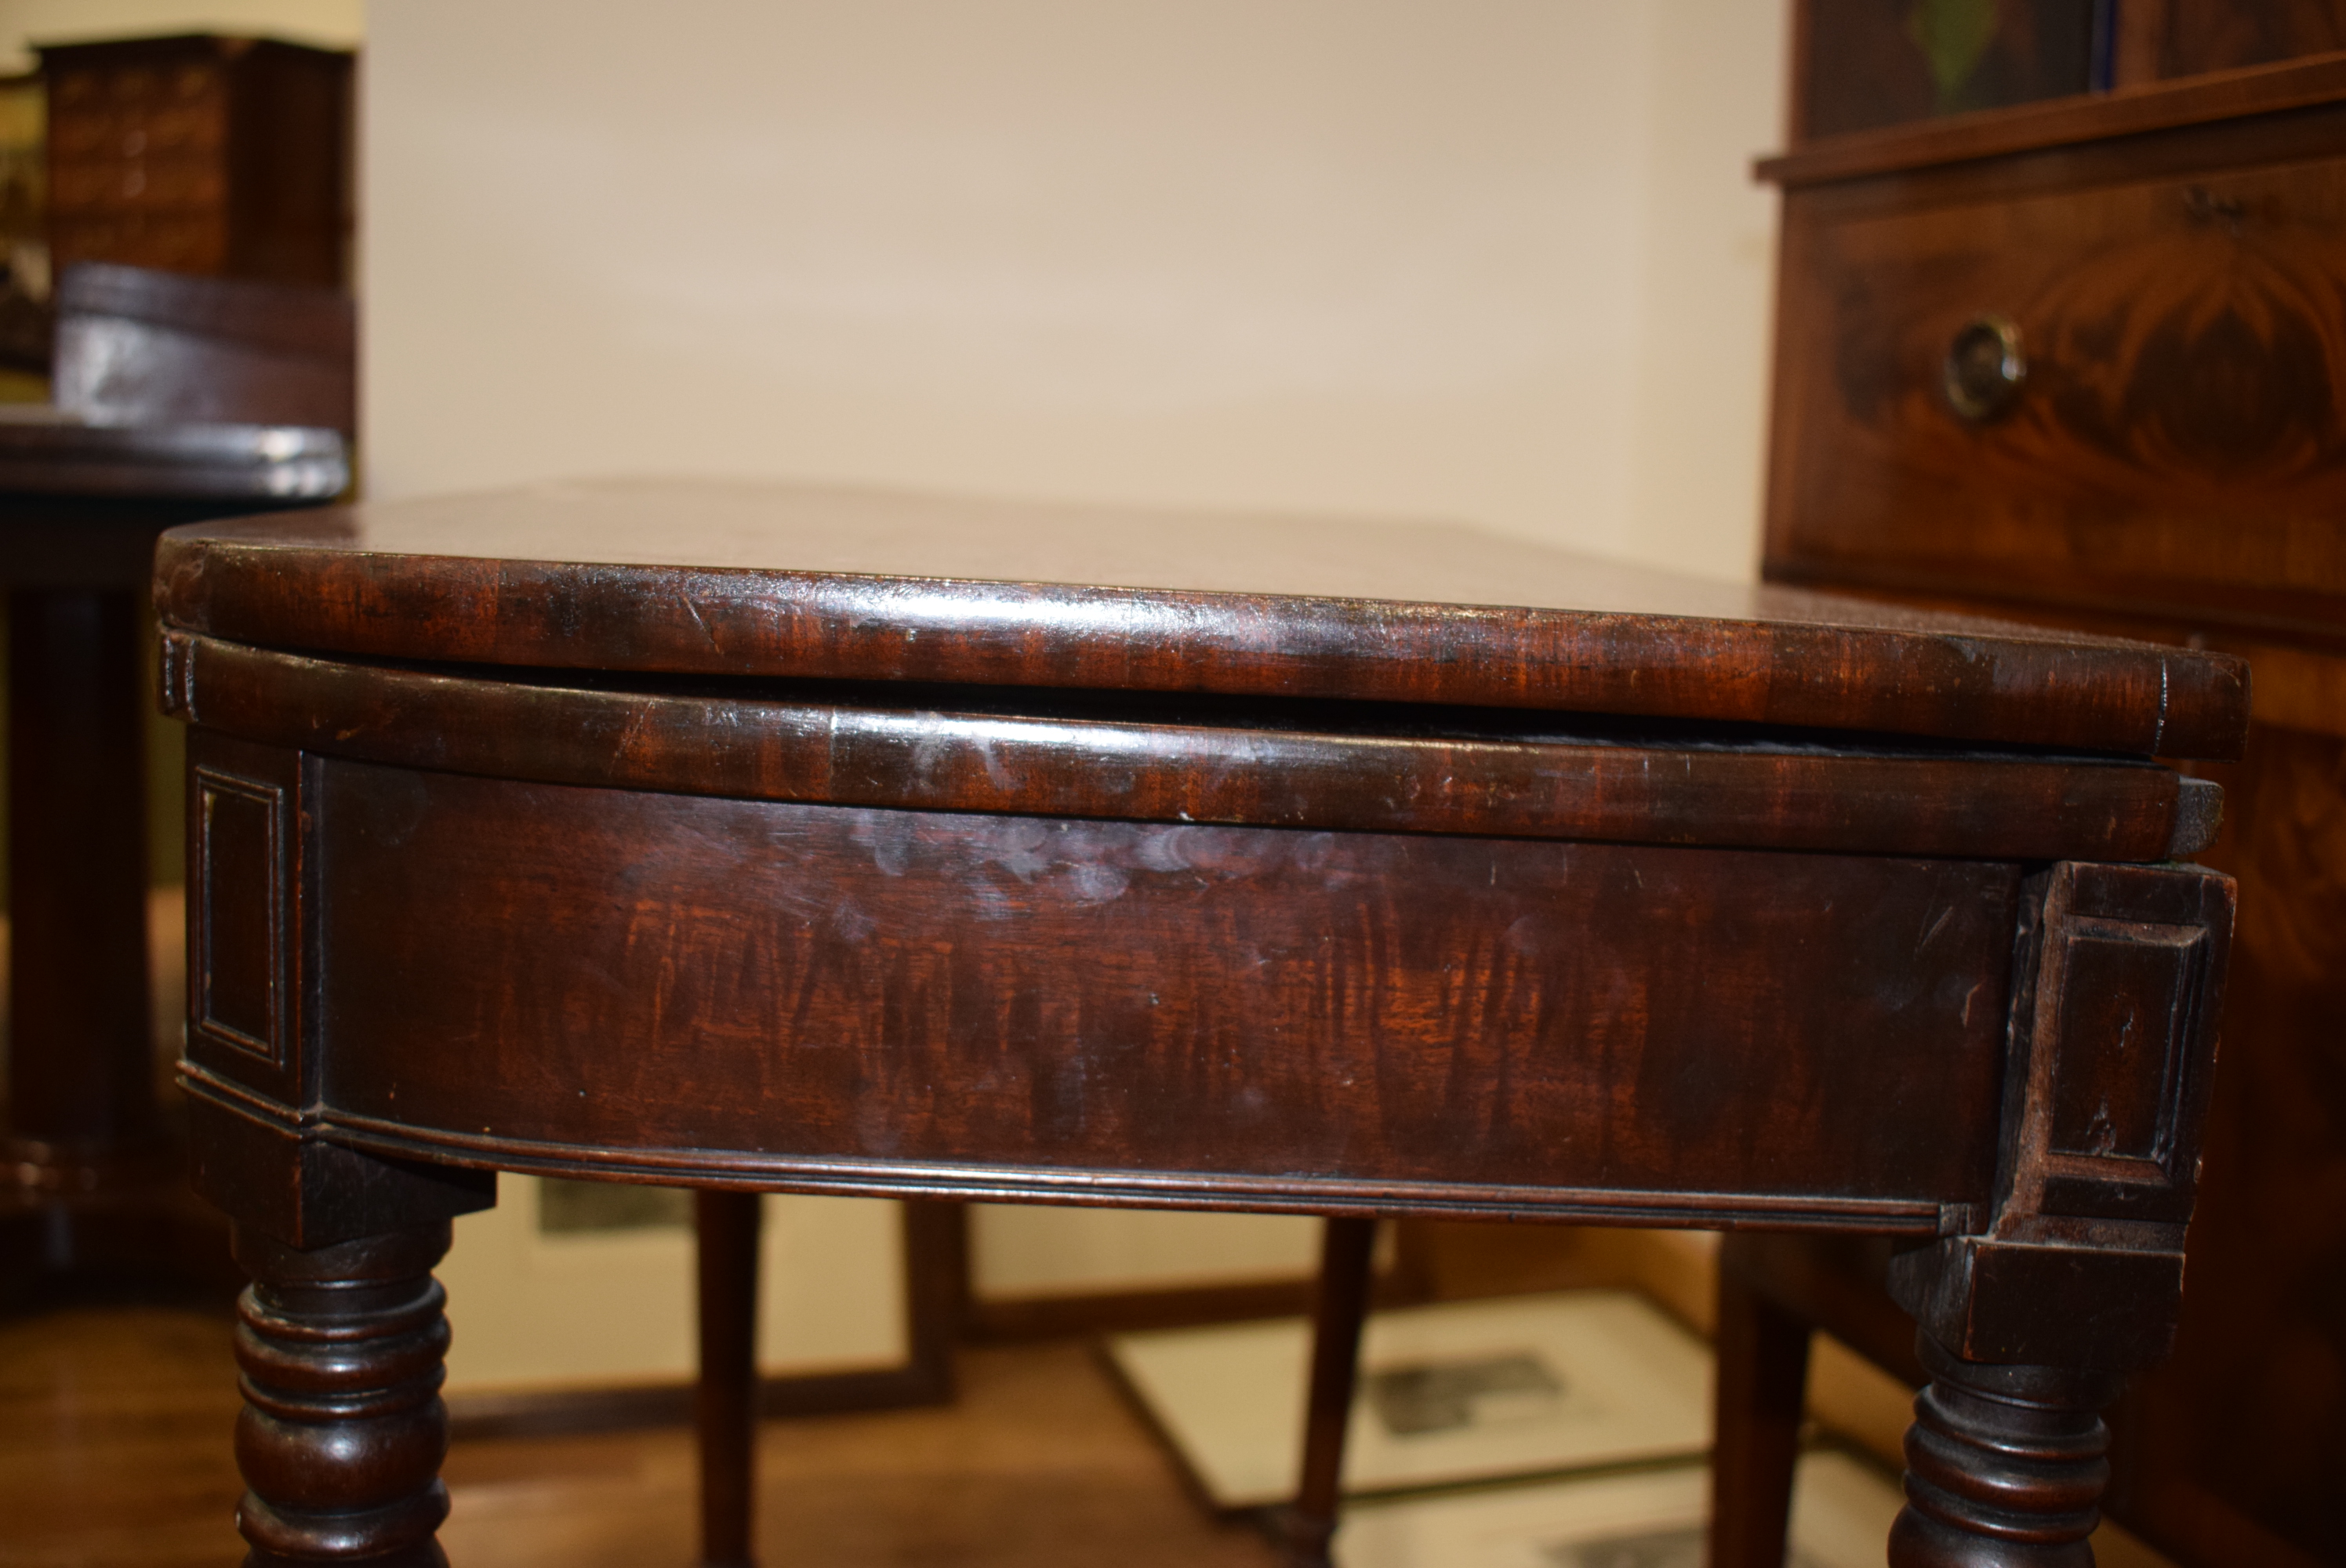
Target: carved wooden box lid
773	582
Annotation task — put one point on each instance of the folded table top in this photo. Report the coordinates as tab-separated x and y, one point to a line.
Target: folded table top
770	582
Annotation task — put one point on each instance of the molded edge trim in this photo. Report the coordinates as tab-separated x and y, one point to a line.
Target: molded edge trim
755	748
1335	1196
1976	683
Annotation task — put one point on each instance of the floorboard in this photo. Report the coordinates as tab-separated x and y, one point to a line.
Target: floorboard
114	1453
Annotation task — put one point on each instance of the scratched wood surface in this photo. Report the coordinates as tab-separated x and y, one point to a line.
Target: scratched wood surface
746	580
1198	1015
1360	766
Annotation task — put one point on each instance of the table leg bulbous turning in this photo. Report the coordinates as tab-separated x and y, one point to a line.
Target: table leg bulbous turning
2006	1466
342	1431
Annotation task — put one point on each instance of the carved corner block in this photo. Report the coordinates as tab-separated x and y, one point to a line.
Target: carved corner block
2110	1056
273	1176
246	914
237	974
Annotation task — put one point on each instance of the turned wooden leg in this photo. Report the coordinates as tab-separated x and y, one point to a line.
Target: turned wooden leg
1763	1372
1338	1311
343	1431
2005	1466
726	1224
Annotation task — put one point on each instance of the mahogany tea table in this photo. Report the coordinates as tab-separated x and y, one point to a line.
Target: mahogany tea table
789	840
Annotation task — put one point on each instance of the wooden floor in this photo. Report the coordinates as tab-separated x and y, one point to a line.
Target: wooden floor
114	1453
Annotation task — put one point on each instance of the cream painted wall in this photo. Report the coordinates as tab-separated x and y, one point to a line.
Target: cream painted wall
534	1310
1334	255
1706	280
1490	260
330	23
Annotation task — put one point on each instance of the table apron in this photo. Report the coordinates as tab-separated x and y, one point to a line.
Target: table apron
708	990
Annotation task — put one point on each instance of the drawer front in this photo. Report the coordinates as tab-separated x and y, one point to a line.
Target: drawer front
2177	442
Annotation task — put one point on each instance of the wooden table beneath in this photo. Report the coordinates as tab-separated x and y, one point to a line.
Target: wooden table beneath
829	841
93	1187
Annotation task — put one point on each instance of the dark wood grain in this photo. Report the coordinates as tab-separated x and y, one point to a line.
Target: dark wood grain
177	471
2123	477
2176	38
1761	1385
1864	63
343	1431
136	346
200	153
725	1412
2005	1466
2237	1441
112	1455
1264	763
2273	89
750	581
488	886
1340	1305
80	1075
1520	985
93	1190
2151	245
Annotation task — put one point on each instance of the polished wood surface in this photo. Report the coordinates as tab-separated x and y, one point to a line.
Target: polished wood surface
205	468
922	955
725	1412
343	1431
144	348
2147	246
1760	1384
746	580
2237	1439
93	1190
2192	37
404	977
2274	90
1195	761
1340	1305
2170	452
80	1075
112	1456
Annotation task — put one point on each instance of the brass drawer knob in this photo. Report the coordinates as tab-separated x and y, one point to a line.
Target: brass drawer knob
1985	369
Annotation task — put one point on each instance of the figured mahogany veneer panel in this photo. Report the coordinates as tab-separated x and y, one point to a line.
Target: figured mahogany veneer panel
2179	446
744	580
782	991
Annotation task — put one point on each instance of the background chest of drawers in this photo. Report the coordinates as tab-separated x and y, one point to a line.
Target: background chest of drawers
2083	361
200	153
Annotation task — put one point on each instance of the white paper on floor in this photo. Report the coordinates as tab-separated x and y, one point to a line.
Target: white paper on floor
1842	1510
1468	1391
